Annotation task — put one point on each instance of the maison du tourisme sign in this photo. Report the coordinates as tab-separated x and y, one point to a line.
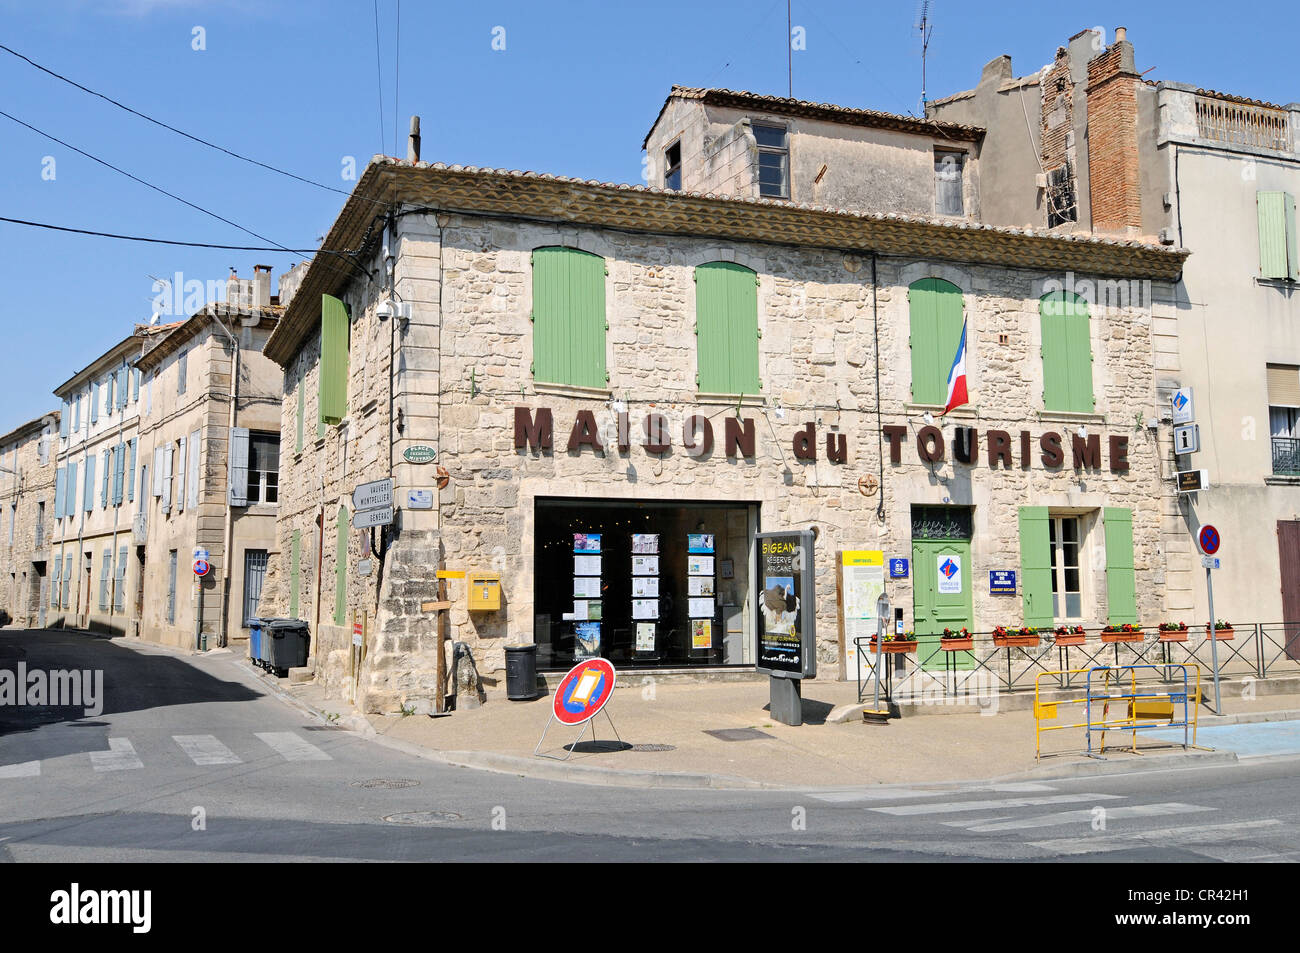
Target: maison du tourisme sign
535	430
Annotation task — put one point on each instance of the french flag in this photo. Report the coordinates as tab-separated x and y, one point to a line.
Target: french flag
957	376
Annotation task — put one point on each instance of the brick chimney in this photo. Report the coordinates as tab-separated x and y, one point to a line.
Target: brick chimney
1113	139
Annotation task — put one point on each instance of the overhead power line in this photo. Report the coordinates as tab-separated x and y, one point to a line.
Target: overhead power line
164	241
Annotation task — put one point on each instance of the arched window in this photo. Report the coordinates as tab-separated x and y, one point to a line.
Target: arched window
726	328
1067	353
935	310
568	317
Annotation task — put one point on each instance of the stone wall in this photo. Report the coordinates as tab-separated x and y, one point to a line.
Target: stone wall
26	519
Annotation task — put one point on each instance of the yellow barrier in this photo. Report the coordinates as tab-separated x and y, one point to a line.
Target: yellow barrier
1138	709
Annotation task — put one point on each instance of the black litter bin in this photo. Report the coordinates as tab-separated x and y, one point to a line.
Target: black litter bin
289	640
521	672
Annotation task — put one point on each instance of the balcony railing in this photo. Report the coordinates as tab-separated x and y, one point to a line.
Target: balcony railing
1286	456
1242	124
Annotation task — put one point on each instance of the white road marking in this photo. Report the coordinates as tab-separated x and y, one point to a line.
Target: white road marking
1077	817
206	749
24	769
121	756
292	748
954	807
1168	837
902	794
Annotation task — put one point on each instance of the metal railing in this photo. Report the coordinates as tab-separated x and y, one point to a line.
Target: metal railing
1286	456
1243	124
1254	650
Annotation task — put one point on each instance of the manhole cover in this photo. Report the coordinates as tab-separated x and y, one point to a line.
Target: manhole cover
737	734
422	817
654	747
390	783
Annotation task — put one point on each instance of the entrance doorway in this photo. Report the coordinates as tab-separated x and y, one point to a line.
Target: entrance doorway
941	574
1288	544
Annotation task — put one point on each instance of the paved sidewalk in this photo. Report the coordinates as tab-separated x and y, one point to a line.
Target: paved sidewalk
955	747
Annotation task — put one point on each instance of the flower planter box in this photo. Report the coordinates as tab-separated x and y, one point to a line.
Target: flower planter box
1174	635
957	645
1071	638
1222	635
896	647
1123	636
1015	641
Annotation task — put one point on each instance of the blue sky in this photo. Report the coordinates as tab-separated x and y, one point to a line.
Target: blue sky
296	85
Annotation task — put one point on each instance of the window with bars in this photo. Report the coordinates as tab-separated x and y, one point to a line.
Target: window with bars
255	561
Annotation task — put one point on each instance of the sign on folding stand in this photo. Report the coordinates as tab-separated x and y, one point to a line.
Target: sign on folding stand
582	694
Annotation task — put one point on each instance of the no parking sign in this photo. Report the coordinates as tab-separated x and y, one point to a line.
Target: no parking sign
202	567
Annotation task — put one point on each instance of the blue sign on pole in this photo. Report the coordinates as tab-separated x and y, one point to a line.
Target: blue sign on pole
898	568
1002	582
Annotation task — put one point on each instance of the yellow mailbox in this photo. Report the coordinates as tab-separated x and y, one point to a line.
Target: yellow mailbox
484	591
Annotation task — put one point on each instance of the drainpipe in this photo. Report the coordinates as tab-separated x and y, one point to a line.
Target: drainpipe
229	529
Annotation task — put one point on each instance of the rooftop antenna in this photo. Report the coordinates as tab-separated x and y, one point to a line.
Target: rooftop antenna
925	28
789	49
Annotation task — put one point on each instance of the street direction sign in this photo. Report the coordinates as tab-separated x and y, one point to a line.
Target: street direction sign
363	519
373	496
1184	409
1187	439
1208	539
583	691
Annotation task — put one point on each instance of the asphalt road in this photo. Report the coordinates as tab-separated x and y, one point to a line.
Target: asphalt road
189	739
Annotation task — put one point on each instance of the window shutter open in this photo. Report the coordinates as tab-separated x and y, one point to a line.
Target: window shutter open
60	491
94	402
935	318
167	478
1277	238
70	499
1036	566
1121	588
726	322
107	462
119	473
63	419
181	470
295	556
193	482
333	360
157	488
569	317
237	467
121	387
130	480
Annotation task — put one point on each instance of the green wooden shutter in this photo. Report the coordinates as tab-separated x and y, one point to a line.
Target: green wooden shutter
726	327
1121	586
335	329
569	317
1036	566
1067	353
302	401
935	310
295	556
341	569
1277	235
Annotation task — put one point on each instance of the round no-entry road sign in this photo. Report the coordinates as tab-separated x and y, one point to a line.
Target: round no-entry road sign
201	567
583	691
1208	539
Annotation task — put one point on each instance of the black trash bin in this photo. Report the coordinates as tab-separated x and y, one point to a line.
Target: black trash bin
289	640
521	672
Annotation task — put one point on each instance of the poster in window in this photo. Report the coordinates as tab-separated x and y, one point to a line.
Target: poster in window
699	566
586	587
586	565
586	542
645	636
645	608
699	586
591	609
586	640
699	542
645	586
700	608
645	565
701	633
645	543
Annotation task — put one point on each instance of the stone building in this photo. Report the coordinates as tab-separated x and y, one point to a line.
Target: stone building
1111	153
93	550
608	371
207	477
26	504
